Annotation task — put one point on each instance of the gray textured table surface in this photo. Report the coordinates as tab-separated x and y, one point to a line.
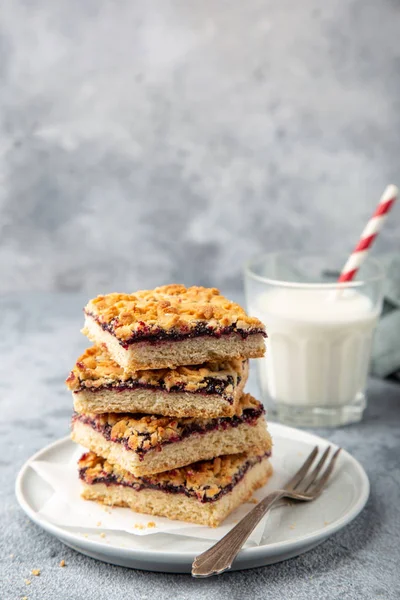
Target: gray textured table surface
39	342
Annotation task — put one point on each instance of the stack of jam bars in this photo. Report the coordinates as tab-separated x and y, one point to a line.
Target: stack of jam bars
159	403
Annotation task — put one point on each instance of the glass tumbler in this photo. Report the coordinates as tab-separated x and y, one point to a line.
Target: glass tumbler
314	373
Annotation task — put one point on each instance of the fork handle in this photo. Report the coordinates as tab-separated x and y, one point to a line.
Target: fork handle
219	558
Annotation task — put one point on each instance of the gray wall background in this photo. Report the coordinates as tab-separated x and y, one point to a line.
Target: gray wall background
157	141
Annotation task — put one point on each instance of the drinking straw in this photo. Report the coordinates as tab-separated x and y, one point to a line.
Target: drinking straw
369	234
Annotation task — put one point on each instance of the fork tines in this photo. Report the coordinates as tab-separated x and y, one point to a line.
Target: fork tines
305	482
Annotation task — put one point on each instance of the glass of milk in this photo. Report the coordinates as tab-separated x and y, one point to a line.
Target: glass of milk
314	373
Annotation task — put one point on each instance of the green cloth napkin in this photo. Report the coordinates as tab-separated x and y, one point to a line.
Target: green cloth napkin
386	349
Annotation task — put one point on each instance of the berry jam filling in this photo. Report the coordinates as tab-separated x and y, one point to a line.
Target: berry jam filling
209	385
145	333
147	483
249	416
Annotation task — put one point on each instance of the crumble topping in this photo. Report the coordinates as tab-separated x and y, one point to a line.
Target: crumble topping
169	308
95	369
142	433
204	480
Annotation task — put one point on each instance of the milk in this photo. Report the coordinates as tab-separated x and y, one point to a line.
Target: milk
318	346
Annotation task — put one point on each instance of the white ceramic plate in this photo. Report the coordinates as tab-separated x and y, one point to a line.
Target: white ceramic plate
289	530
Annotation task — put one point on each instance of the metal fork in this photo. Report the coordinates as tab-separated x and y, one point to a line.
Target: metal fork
302	486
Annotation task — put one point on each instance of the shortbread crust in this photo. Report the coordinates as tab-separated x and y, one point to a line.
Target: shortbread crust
172	325
100	385
204	492
144	444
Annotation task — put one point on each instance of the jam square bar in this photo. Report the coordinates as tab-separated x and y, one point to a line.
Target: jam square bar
204	493
100	385
171	326
145	444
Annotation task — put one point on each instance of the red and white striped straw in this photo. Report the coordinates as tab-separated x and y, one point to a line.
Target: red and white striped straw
369	234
